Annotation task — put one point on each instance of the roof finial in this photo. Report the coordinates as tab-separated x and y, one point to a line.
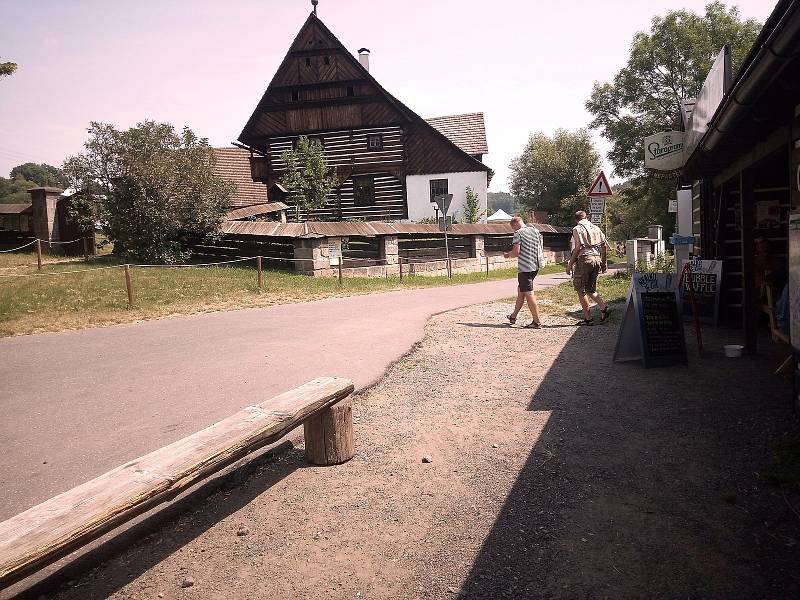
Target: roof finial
314	4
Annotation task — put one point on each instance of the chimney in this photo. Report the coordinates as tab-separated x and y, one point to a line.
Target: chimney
363	57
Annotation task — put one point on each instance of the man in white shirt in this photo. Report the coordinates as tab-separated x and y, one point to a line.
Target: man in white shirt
589	259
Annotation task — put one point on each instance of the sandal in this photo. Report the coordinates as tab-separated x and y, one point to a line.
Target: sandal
604	313
588	322
533	325
511	319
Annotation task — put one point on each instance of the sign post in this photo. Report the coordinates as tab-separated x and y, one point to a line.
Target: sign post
597	194
443	203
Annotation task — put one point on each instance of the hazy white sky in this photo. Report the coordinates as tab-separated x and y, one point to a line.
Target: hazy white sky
528	66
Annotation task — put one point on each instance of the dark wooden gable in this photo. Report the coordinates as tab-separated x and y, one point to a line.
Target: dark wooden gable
320	86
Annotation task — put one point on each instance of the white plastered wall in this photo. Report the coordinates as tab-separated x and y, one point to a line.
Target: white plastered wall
418	190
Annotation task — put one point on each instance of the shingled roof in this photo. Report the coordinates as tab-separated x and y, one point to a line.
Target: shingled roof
233	165
466	131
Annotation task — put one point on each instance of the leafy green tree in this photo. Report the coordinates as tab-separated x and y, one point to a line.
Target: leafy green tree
41	174
666	65
642	202
7	68
149	187
307	175
553	169
14	190
472	206
502	200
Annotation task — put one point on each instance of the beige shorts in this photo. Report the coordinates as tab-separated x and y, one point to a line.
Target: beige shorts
584	274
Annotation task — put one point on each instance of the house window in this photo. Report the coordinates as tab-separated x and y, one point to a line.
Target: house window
375	141
364	190
438	188
350	91
295	96
308	61
327	60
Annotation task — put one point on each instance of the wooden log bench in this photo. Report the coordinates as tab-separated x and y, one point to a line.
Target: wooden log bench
43	534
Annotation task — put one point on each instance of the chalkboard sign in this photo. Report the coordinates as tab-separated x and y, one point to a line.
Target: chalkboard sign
707	283
652	328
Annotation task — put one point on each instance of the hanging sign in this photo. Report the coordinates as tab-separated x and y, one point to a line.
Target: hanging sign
600	186
664	151
335	252
706	284
652	329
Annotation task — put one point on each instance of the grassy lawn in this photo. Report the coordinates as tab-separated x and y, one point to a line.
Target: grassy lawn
561	300
98	296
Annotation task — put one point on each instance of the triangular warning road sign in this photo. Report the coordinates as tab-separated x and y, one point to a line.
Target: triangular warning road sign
600	186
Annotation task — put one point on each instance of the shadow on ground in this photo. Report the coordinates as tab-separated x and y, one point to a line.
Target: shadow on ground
649	483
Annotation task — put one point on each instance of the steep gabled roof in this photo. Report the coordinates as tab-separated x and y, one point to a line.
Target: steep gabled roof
466	131
307	42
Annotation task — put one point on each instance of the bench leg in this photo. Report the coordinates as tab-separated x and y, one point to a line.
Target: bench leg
329	436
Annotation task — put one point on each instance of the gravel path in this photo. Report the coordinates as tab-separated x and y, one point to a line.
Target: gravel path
555	474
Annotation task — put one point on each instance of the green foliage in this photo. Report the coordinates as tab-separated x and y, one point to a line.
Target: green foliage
666	65
7	68
552	169
502	201
642	202
41	174
662	263
307	175
149	187
14	191
472	207
428	221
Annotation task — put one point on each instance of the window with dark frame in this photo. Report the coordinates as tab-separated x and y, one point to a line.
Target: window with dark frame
438	188
364	190
374	141
350	91
295	96
308	61
327	60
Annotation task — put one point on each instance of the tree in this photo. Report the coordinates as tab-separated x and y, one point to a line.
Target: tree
665	66
41	174
553	169
150	187
472	207
7	68
14	191
501	200
307	175
641	202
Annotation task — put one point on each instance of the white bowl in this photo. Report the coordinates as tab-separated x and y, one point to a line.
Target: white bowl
733	350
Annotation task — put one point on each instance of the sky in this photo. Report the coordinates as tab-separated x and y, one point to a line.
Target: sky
528	66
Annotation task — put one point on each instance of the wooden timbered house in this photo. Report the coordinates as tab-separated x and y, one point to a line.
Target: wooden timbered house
389	162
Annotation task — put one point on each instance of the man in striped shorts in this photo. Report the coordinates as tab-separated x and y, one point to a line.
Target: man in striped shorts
528	250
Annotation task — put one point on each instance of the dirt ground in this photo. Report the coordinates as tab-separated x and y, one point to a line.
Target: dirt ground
555	473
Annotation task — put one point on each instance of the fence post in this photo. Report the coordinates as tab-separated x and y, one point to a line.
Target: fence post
486	256
86	249
39	254
341	259
449	267
260	274
400	260
129	285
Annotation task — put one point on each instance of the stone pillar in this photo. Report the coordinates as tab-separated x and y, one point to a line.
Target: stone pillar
477	246
45	216
314	256
389	249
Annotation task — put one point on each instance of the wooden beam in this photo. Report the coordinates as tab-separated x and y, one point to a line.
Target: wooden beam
749	293
43	534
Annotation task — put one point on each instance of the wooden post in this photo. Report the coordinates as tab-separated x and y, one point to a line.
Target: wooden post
86	249
486	256
260	274
449	267
400	260
749	293
329	436
129	285
39	254
340	270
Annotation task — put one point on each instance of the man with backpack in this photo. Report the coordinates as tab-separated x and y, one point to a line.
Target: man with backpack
589	258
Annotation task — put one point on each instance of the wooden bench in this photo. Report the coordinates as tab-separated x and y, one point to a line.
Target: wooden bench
43	534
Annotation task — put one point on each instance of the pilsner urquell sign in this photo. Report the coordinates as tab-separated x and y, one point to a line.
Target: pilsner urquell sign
664	151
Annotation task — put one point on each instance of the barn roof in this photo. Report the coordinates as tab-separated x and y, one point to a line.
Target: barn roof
466	131
15	209
316	229
233	165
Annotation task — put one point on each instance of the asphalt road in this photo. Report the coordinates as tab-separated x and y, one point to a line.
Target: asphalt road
77	404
